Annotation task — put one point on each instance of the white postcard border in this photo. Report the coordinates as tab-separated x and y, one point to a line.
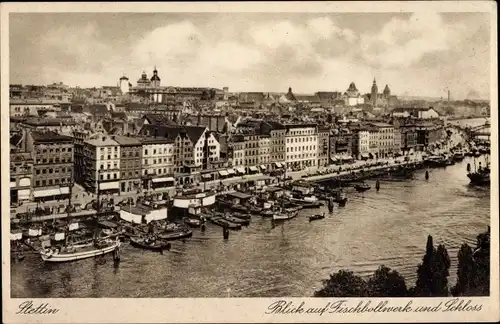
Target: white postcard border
225	310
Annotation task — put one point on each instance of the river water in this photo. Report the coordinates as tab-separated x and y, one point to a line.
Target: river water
388	227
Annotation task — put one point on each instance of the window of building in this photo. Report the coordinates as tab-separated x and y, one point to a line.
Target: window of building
114	176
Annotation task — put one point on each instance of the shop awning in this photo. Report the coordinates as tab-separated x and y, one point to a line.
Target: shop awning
64	190
230	171
223	172
278	164
254	168
46	192
169	179
346	158
241	170
365	155
333	158
206	176
263	167
109	185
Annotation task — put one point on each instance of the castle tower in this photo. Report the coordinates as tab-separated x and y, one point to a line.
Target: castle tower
124	85
374	93
155	79
387	92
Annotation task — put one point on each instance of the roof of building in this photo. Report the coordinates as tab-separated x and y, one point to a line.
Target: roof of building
309	98
328	94
159	119
102	141
380	124
50	137
119	115
251	97
403	109
193	132
15	139
97	109
61	121
131	106
155	140
127	141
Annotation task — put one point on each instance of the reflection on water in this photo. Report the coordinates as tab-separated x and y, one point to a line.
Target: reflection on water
285	259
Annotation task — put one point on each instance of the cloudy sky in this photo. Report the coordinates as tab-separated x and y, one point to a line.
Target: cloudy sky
416	54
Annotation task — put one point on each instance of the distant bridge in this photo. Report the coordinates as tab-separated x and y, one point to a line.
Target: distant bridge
480	130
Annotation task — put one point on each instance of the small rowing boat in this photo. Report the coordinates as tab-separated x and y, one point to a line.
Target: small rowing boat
147	243
316	217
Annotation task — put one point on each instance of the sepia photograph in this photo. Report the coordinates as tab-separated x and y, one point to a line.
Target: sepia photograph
241	154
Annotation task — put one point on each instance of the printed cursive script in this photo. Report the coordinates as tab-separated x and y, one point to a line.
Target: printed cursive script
366	306
29	308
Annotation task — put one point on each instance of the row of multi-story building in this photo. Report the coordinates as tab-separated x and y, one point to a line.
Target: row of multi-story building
47	158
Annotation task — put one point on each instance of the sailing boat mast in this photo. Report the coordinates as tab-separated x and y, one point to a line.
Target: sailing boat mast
96	218
71	183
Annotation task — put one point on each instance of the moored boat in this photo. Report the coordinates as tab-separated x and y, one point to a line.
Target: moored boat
284	216
241	215
171	236
193	222
362	187
149	243
236	220
316	217
78	252
224	223
458	156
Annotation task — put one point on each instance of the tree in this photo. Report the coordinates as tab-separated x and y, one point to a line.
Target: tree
433	272
387	283
343	284
482	260
466	271
441	266
424	272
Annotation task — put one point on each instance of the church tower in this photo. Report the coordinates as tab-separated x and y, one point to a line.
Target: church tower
155	79
374	93
387	92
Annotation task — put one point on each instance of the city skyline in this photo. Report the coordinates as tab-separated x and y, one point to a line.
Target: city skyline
308	52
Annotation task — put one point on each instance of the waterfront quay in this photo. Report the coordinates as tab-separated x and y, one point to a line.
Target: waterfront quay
375	228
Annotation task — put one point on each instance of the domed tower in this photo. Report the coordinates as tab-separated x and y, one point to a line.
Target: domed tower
124	85
155	79
387	92
143	81
374	93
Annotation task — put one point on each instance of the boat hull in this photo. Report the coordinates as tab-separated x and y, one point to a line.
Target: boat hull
79	255
176	236
159	247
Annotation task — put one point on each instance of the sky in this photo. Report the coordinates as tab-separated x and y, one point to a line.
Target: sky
420	54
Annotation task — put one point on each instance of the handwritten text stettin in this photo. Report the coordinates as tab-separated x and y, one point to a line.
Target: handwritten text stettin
29	308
